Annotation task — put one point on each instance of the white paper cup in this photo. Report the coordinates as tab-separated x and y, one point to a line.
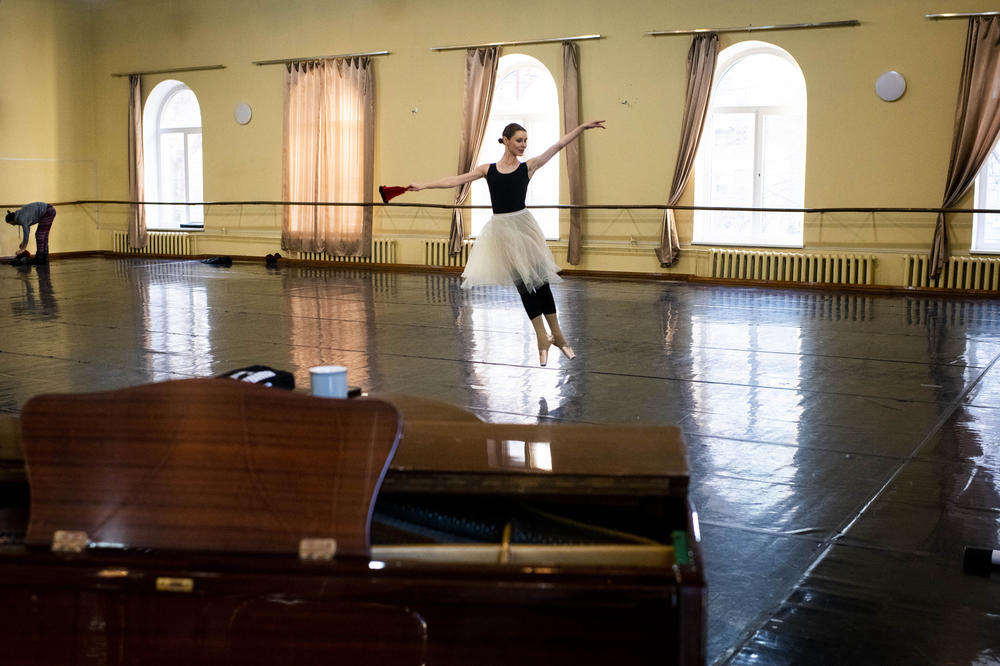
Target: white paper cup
329	381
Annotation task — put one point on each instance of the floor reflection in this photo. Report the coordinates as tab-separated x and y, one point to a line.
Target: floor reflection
38	298
178	325
842	447
331	322
507	378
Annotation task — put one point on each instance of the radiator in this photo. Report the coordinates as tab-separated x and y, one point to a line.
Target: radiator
383	252
436	253
969	273
792	266
158	243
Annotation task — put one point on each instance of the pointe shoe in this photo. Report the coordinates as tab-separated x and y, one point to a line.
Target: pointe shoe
565	349
543	354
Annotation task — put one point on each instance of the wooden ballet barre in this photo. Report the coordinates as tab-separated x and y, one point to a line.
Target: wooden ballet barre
748	209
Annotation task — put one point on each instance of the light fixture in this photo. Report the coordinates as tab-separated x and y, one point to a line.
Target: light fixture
890	86
242	113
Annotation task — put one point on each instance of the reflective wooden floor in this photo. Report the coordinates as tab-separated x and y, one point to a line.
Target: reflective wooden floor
844	448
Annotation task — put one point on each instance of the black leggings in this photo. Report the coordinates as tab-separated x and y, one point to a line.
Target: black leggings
537	302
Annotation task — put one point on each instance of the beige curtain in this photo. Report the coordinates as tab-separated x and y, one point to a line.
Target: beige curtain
480	77
571	119
702	56
329	150
977	122
136	211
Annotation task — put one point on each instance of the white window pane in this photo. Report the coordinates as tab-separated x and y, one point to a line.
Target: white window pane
195	182
992	179
731	179
986	226
516	86
540	189
172	168
173	155
782	179
752	153
732	146
760	80
181	110
730	226
480	195
173	185
172	216
991	230
526	94
783	175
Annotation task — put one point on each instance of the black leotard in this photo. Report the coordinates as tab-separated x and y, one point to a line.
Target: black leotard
508	190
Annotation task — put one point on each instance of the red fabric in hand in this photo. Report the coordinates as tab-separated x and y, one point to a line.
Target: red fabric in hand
388	192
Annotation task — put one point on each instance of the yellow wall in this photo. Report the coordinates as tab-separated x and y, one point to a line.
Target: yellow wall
46	117
861	151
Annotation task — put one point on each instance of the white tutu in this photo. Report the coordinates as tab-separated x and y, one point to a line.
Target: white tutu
511	248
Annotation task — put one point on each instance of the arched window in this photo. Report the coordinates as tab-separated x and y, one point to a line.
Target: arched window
986	226
525	94
753	149
172	162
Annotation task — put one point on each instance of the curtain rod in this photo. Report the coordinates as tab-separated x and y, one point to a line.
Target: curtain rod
285	61
551	40
952	15
758	28
171	71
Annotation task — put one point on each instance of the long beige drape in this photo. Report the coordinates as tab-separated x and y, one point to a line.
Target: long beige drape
702	56
571	119
136	211
329	150
480	78
977	122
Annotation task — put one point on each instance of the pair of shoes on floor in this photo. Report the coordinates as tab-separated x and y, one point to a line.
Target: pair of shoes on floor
543	354
218	261
271	260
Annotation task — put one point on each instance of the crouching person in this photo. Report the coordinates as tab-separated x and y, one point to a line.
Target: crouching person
38	213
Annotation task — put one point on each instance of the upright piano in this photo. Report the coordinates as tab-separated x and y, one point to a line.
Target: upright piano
216	522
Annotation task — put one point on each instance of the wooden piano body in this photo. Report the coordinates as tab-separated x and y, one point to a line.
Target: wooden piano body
457	541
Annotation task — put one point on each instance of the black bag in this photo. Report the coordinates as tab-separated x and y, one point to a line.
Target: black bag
261	374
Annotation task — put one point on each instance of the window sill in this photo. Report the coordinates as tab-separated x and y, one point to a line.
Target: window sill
749	246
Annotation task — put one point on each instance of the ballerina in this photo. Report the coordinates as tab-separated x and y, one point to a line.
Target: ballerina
511	247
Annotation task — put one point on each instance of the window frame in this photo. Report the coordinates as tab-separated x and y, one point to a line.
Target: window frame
981	200
703	175
541	191
154	174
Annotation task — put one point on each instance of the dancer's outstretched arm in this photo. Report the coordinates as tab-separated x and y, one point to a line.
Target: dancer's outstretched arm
452	181
536	163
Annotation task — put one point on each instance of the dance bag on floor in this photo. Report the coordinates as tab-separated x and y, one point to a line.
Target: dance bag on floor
262	374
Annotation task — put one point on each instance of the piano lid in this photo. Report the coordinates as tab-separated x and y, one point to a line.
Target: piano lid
543	449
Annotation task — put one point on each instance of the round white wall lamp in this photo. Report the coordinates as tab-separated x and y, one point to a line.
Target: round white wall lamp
242	113
890	86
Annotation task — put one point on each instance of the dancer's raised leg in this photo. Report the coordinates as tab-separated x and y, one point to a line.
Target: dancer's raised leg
548	307
558	339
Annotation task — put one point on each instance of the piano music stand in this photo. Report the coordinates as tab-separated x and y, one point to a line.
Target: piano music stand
206	465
